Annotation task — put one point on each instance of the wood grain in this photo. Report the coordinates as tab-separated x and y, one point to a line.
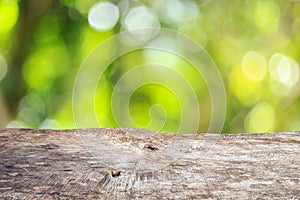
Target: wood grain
59	164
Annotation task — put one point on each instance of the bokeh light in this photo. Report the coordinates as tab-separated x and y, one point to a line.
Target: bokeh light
267	15
254	66
139	22
261	118
103	16
245	90
284	70
9	12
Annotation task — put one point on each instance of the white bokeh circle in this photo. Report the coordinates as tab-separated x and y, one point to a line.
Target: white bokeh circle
103	16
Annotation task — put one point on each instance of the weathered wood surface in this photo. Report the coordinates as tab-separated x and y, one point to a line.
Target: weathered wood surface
48	164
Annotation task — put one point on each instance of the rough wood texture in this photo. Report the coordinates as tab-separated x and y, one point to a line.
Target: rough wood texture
48	164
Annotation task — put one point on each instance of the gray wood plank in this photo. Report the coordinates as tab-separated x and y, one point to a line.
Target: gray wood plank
139	164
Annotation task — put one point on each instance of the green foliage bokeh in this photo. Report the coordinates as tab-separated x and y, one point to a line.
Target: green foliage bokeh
255	45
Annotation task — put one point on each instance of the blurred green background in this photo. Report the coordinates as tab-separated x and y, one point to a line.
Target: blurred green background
254	43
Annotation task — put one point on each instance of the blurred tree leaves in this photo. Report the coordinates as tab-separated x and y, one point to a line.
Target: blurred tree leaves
44	44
